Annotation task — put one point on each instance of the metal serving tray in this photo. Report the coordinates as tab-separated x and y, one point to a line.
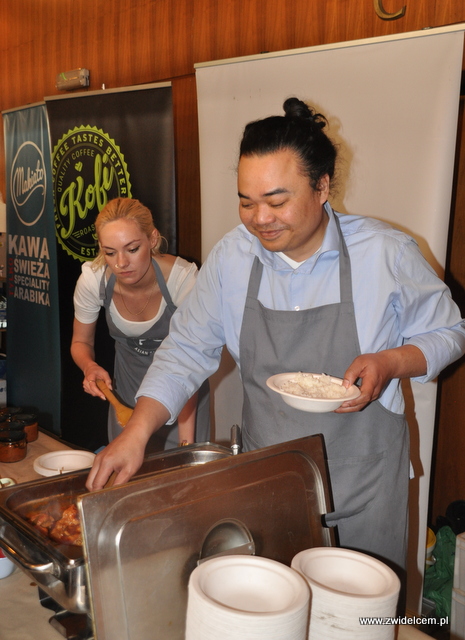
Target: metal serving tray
60	569
143	540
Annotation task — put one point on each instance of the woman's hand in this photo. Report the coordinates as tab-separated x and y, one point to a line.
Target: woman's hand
92	373
83	354
376	370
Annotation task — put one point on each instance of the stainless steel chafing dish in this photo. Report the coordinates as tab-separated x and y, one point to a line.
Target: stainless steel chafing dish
60	569
143	539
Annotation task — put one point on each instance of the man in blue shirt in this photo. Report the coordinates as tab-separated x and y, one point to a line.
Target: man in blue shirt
298	287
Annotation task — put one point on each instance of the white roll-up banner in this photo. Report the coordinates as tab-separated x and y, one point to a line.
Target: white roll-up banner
392	106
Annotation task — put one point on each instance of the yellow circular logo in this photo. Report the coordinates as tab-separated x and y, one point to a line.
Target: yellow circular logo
88	170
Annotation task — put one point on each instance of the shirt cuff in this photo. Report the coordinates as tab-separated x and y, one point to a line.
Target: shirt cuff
439	349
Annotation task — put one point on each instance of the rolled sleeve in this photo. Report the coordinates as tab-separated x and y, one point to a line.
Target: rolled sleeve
440	348
173	396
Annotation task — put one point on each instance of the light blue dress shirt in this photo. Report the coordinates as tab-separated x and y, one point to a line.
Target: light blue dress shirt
398	299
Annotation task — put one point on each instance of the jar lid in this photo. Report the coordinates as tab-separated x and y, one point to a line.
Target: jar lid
25	418
12	425
10	411
12	436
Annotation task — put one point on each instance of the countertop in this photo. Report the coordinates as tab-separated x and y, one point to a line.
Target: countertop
22	617
23	471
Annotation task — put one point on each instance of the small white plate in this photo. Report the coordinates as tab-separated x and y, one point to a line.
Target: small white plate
56	462
6	482
312	405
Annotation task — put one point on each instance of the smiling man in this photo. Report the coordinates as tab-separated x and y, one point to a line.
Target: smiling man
300	287
279	206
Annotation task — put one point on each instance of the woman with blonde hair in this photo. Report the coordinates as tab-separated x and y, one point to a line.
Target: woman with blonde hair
140	288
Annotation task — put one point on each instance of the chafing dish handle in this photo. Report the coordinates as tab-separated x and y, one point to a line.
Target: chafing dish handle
236	440
23	562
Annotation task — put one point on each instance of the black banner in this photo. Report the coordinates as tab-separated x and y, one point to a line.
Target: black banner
104	145
33	343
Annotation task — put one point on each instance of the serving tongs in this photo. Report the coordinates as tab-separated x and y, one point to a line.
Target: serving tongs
123	413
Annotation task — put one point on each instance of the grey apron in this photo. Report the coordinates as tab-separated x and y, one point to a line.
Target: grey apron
133	357
367	451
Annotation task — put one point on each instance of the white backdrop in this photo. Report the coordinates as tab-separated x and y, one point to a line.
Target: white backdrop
392	106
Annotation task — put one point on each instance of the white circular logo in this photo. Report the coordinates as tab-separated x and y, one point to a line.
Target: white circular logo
28	183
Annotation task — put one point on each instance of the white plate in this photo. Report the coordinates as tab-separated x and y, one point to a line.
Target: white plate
6	482
313	405
56	462
246	597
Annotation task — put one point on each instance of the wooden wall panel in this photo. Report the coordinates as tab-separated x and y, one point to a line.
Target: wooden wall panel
448	478
187	167
448	11
130	42
134	41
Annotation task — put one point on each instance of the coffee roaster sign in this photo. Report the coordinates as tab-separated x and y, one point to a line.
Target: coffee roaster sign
88	170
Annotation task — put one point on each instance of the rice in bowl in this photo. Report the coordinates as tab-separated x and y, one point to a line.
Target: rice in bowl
308	385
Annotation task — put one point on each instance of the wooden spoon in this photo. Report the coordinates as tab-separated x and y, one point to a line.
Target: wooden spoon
123	413
110	481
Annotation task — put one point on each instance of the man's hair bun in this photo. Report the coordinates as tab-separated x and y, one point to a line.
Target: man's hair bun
297	109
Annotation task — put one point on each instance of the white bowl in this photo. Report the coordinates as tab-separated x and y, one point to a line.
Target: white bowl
247	597
250	584
313	405
56	462
346	586
351	573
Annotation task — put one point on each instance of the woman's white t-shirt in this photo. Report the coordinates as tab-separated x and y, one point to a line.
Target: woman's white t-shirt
87	303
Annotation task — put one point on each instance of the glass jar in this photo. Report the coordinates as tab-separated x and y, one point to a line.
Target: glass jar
10	425
8	413
13	446
30	424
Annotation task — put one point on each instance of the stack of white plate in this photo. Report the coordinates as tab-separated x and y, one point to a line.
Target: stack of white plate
354	596
246	598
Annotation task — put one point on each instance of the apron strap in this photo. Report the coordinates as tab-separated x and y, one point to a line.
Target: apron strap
106	288
103	293
163	288
345	274
255	278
